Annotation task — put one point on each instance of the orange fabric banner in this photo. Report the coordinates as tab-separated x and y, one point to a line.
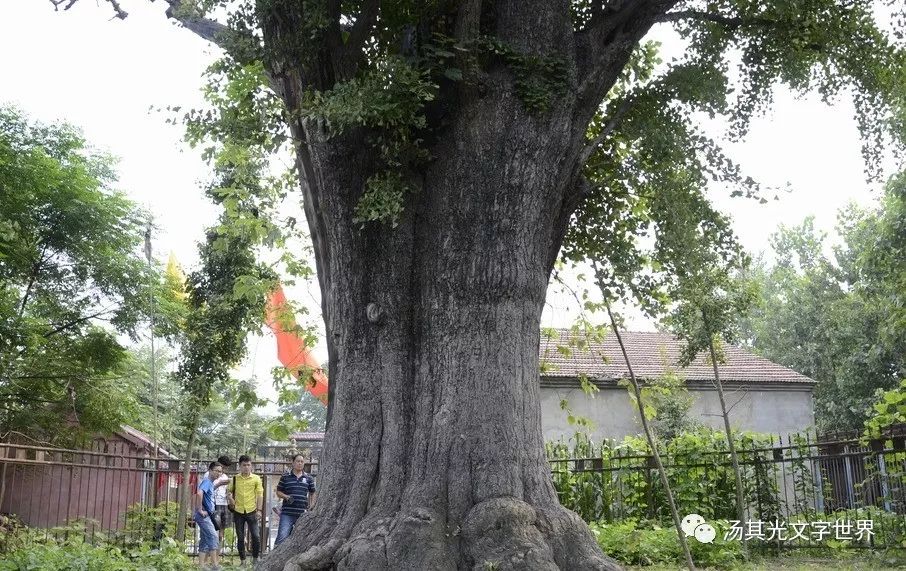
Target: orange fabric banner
291	349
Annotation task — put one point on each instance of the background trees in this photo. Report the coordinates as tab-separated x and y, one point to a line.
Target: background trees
833	309
71	279
75	293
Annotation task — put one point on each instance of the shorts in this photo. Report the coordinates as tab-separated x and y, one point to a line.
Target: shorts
223	516
207	540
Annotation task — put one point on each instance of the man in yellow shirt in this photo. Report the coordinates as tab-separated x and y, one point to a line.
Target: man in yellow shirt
245	494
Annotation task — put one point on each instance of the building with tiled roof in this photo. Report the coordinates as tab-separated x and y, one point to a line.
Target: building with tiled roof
763	396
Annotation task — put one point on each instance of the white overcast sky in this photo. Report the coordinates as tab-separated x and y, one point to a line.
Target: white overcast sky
104	75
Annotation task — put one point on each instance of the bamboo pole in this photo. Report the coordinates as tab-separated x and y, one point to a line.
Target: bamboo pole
652	442
734	458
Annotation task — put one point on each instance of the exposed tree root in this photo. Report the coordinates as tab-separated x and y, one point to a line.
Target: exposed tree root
501	534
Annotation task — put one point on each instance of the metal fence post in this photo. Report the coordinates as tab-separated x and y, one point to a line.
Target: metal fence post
265	516
819	485
69	497
847	468
882	472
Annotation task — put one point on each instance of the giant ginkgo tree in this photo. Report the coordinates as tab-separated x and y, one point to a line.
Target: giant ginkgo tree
442	150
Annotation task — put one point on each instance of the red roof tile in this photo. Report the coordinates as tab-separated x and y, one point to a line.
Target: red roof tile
652	354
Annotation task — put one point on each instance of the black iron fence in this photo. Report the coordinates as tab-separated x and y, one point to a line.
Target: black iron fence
799	491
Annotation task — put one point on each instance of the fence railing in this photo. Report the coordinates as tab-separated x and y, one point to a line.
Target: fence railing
796	478
131	497
111	491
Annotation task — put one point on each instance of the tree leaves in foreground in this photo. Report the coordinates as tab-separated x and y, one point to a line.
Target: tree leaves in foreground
71	279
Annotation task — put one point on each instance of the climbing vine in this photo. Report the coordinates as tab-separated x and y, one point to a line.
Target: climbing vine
389	101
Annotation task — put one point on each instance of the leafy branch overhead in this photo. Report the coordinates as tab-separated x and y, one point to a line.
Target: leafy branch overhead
391	72
240	133
648	176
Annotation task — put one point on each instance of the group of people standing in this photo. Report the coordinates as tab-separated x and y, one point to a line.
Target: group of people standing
221	498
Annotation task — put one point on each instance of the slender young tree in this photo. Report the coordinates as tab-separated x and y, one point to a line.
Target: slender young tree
652	442
226	298
731	441
443	150
710	302
605	283
217	325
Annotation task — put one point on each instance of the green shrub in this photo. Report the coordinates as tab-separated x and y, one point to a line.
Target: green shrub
589	494
145	524
889	529
13	533
633	543
647	543
83	546
77	555
618	480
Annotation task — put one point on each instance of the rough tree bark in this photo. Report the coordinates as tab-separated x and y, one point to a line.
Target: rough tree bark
433	458
434	455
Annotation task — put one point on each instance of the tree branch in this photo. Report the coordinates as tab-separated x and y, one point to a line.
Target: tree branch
468	18
606	131
582	188
603	48
205	28
210	30
82	319
702	16
36	268
352	49
573	196
119	12
363	24
730	22
11	400
334	39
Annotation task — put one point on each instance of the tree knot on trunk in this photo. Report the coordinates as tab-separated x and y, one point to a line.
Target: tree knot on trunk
375	313
413	539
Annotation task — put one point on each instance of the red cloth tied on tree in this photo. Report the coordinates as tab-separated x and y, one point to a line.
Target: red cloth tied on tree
291	350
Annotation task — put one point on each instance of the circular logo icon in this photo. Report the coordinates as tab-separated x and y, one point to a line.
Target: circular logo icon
690	522
705	533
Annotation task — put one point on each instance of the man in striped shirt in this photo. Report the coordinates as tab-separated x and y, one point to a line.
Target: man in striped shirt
297	490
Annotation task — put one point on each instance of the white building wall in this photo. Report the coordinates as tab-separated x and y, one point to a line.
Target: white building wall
770	410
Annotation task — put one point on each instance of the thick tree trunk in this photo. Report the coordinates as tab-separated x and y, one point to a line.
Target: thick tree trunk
434	457
434	454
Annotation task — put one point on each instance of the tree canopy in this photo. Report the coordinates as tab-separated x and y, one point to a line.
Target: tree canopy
71	279
834	310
